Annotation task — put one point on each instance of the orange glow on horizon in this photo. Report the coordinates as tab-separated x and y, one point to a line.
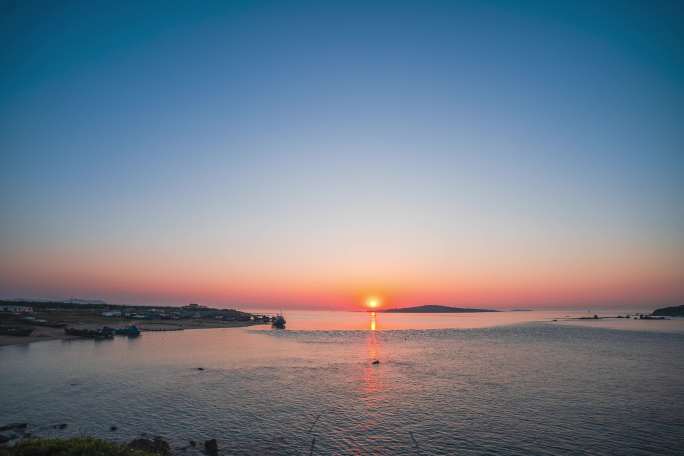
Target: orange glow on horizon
373	302
118	277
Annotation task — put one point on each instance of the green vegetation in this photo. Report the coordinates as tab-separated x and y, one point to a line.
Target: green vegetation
82	446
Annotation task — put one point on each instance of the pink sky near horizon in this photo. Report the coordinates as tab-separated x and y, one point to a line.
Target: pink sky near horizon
285	154
532	282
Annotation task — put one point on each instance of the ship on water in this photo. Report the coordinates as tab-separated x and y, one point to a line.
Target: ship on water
278	322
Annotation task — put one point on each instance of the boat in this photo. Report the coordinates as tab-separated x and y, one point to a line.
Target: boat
102	333
278	322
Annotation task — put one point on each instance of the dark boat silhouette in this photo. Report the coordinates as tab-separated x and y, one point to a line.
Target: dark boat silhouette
102	333
278	322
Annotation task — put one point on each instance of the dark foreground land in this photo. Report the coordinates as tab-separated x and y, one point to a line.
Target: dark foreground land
27	322
85	446
21	443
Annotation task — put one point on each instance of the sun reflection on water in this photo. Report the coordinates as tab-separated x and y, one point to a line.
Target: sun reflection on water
372	381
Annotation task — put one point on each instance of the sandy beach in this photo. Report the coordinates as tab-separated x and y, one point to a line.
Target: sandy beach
44	333
49	323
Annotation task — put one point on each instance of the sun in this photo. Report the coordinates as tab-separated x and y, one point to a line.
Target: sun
373	302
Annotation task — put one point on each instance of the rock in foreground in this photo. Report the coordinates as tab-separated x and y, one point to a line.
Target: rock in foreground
211	447
155	446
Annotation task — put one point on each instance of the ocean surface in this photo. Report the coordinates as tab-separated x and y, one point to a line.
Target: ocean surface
513	383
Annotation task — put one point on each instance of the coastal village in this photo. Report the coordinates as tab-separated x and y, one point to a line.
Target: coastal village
30	321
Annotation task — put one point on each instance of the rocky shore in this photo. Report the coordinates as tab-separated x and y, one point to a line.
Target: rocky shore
45	334
87	446
17	439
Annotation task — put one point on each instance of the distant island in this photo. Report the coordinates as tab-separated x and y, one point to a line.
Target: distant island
436	309
674	311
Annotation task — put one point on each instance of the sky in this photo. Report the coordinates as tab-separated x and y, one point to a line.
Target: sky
310	154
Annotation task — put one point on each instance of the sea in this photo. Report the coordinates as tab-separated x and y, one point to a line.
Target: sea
357	383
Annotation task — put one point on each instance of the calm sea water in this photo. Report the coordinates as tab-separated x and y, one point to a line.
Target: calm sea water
510	383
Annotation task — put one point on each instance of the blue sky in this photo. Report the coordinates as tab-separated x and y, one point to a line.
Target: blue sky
258	151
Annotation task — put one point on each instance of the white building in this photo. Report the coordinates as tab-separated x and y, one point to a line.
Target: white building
111	313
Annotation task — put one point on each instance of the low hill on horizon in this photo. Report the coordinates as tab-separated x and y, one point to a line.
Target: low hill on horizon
436	309
674	311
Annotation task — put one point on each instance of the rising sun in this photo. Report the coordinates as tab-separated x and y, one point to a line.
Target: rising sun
373	302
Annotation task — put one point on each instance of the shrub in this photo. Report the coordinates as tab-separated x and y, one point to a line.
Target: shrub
82	446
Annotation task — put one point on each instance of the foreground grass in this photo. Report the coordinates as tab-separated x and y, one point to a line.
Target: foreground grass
83	446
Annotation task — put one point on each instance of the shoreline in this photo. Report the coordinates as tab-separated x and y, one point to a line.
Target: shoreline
46	333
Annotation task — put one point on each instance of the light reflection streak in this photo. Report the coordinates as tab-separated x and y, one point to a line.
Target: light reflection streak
372	381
